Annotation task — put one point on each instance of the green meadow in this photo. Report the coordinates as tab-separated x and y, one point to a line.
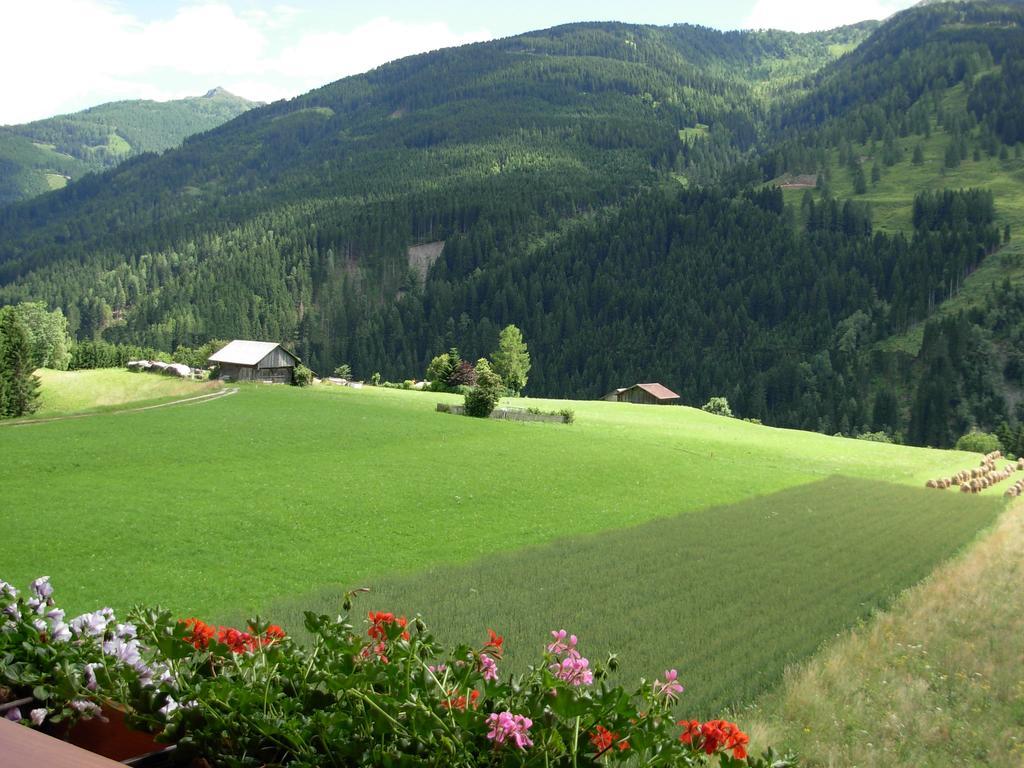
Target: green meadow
674	537
64	392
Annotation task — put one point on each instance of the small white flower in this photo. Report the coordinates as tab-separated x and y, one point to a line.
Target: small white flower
7	590
41	587
59	632
90	624
37	716
90	676
125	631
87	709
169	707
40	625
124	650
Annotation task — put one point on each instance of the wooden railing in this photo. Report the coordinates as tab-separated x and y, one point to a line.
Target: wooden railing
22	747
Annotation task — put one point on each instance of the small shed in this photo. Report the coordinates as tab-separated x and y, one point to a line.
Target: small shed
255	361
644	394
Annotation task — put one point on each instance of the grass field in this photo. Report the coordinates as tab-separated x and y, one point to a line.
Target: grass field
729	595
63	392
935	682
294	489
624	526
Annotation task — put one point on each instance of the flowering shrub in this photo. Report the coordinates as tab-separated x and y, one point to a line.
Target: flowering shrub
54	672
384	693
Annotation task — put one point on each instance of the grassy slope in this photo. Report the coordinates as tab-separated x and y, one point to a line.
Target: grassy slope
219	508
71	391
729	595
935	682
29	167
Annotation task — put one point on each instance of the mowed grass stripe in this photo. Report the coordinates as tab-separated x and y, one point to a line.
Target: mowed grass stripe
217	509
729	595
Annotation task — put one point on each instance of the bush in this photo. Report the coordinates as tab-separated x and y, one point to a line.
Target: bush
343	371
375	379
480	400
978	442
718	406
303	376
568	415
875	437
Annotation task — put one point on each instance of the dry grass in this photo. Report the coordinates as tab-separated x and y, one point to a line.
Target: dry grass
936	681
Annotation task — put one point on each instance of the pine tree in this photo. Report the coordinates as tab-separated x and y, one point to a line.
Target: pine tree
19	386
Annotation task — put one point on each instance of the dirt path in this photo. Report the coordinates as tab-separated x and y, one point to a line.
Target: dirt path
194	400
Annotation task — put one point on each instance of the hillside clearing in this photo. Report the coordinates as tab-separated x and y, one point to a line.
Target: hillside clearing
935	682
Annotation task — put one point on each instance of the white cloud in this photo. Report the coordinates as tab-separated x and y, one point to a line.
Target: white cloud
813	15
64	55
322	57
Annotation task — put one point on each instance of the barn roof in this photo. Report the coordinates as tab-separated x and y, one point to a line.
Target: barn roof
241	352
658	391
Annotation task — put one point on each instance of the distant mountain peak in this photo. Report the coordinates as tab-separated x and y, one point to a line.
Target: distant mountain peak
218	91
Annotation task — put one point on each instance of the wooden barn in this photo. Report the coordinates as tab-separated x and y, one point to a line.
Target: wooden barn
643	394
255	361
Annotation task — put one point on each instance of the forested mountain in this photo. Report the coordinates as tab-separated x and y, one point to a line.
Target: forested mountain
614	191
43	155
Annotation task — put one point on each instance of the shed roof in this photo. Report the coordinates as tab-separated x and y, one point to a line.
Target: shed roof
241	352
658	391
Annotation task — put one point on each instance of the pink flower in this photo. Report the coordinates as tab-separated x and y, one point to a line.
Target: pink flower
559	645
574	669
489	668
670	689
508	727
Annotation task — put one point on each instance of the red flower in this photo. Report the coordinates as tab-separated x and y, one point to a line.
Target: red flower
273	634
493	646
201	633
603	739
715	736
691	731
380	621
738	743
459	702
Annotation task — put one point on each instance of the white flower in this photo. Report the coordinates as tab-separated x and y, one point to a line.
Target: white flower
169	707
55	614
88	709
37	716
13	611
90	624
90	676
40	625
41	587
123	650
59	632
7	590
125	631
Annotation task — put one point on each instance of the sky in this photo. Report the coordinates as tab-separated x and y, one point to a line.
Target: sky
61	56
